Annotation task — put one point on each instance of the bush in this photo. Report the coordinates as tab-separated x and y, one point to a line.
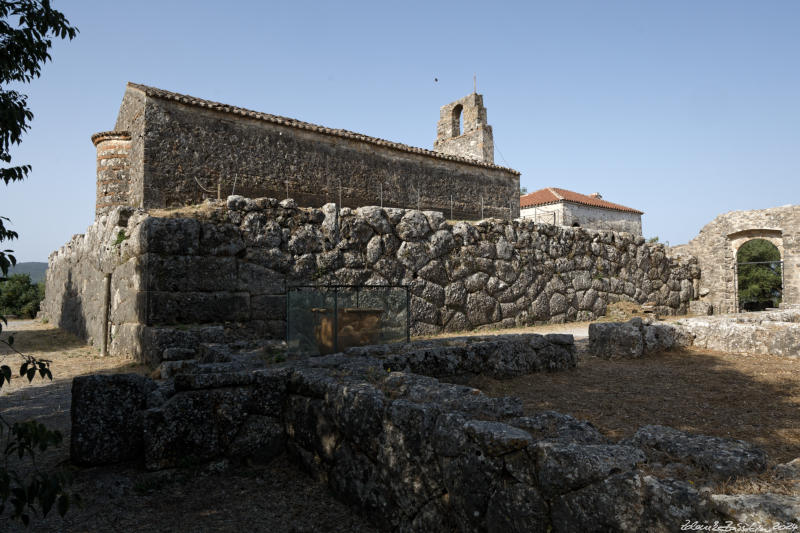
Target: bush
20	297
760	276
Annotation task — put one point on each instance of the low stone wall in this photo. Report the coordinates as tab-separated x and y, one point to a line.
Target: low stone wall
769	333
410	452
220	272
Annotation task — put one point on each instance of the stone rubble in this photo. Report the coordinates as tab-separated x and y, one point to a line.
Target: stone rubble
766	510
723	458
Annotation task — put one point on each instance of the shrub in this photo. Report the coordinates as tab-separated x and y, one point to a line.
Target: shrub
20	297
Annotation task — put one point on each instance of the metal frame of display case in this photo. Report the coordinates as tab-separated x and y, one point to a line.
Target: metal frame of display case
336	289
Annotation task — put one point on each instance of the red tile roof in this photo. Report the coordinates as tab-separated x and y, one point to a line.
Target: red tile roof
553	195
154	92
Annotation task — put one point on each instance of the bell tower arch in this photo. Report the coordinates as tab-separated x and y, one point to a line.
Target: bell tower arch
463	131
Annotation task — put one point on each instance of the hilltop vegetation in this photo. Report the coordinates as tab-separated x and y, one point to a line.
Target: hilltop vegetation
35	269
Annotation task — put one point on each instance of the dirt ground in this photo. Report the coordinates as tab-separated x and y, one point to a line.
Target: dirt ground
752	398
219	497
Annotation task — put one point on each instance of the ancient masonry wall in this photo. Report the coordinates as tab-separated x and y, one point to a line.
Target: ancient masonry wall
184	150
223	273
716	245
75	281
406	450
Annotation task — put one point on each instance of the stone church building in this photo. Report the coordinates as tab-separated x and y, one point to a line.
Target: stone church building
169	150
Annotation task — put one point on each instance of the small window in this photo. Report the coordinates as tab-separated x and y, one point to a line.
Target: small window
457	120
576	225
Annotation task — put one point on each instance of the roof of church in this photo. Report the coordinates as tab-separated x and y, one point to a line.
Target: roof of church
553	195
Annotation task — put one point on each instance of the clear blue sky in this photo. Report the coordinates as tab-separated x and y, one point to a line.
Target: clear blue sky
682	109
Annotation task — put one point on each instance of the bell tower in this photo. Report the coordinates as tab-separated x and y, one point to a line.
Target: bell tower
462	130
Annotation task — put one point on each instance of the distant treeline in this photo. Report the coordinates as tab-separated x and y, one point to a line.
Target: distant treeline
34	269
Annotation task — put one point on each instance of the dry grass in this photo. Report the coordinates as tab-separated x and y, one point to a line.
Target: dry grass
209	210
69	355
49	401
752	398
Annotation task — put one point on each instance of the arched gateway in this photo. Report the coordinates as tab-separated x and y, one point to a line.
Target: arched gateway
718	244
759	274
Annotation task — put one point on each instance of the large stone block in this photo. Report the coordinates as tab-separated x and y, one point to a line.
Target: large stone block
616	340
106	418
194	426
257	279
170	236
188	273
197	307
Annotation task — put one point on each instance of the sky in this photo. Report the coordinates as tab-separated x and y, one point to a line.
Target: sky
681	109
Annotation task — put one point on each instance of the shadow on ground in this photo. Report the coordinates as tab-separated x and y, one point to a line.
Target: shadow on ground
753	398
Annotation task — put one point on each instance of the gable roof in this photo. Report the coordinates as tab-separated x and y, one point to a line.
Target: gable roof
553	195
154	92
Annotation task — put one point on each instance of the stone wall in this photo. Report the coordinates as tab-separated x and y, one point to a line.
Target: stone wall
185	149
75	280
221	270
760	333
716	245
771	333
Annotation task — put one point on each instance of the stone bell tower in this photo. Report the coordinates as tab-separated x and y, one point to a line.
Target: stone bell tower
462	130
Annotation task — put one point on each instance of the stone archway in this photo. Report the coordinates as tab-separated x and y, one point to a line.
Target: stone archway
717	245
738	238
759	273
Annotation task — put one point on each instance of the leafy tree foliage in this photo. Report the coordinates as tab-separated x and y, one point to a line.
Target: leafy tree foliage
27	28
759	284
20	297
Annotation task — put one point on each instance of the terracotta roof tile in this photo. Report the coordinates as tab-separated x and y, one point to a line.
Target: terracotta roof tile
275	119
552	195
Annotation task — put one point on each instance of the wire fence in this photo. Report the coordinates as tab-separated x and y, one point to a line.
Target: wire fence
462	205
543	216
